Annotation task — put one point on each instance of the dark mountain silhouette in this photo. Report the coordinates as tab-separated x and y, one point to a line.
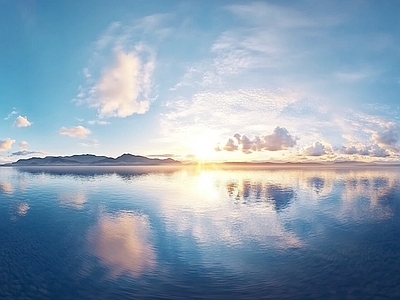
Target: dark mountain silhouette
93	160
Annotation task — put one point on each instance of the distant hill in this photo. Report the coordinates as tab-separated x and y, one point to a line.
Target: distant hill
94	160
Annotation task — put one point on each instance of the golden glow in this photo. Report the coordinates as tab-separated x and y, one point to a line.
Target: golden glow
203	147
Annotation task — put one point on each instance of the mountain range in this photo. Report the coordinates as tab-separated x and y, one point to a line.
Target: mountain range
137	160
94	160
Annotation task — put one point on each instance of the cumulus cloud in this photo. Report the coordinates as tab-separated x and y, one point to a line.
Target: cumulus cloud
124	87
377	151
75	132
373	150
280	139
350	150
316	149
389	136
6	144
22	122
230	145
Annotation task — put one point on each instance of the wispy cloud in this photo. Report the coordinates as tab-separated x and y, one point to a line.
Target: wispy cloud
12	113
75	132
23	145
98	122
26	153
356	76
93	143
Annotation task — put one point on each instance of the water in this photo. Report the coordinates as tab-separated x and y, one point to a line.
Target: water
129	233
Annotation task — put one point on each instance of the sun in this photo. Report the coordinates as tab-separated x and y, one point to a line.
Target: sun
204	150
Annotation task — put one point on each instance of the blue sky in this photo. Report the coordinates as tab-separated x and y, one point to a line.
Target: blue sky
212	80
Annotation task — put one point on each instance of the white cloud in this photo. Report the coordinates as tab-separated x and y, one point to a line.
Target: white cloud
377	151
22	122
23	145
350	150
75	132
123	89
6	144
216	115
389	136
316	149
280	139
118	78
373	150
230	145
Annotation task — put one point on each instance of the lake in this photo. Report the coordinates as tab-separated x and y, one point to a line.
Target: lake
129	233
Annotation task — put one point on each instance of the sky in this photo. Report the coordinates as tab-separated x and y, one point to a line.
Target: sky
201	80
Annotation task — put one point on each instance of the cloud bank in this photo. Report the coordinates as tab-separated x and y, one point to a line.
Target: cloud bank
371	150
280	139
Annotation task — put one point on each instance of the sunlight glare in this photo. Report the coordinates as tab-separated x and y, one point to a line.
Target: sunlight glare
203	149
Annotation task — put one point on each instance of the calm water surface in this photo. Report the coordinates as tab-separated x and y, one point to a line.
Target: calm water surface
128	233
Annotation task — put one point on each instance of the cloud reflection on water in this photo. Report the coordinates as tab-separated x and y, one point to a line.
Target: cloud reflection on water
277	208
218	207
121	242
6	188
74	200
22	209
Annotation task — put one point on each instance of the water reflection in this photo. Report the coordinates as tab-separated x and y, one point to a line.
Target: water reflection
218	229
253	190
200	205
317	184
73	199
6	187
125	172
22	209
121	242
